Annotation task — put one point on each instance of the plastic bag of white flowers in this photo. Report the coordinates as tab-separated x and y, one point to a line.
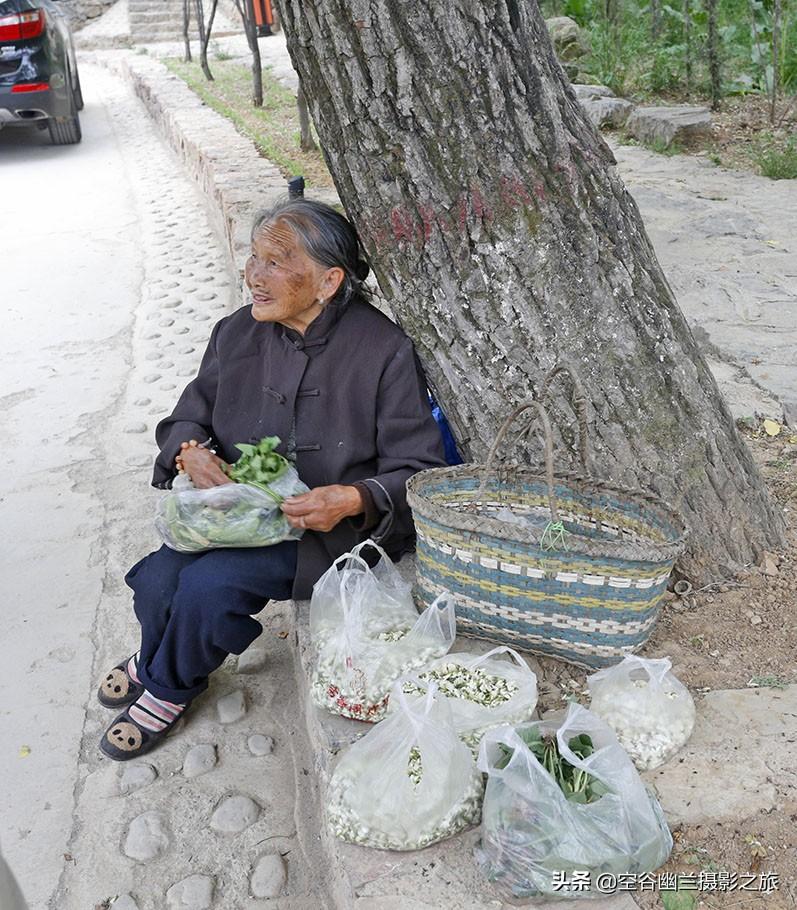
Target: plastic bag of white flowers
409	782
367	632
564	803
650	711
484	690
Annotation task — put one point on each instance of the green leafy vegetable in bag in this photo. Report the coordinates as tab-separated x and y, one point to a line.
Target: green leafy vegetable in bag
259	465
244	513
577	785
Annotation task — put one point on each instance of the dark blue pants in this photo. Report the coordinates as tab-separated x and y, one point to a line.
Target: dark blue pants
196	608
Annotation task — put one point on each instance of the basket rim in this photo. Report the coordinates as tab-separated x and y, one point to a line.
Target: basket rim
649	551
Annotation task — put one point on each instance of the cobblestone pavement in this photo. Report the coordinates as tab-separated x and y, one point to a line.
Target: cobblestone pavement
211	817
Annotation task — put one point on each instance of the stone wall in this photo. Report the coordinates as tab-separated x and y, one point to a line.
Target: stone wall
82	11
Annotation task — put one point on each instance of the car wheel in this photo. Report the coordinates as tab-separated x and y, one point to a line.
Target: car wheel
66	130
77	93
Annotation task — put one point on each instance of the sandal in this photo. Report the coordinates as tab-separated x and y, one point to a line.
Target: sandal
125	739
117	688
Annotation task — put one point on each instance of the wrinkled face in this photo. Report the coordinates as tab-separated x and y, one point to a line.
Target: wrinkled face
287	285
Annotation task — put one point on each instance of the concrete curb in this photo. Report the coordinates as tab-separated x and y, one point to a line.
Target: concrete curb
236	180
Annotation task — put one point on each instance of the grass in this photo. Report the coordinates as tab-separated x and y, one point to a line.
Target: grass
660	146
771	681
274	128
775	158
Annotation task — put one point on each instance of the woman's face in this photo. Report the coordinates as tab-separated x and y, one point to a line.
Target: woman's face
287	285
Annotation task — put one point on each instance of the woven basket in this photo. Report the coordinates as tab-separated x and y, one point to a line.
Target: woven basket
588	600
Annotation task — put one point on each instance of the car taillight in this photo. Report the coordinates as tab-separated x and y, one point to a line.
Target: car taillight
31	25
20	26
30	87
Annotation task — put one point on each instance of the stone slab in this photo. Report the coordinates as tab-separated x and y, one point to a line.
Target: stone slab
739	761
611	112
667	124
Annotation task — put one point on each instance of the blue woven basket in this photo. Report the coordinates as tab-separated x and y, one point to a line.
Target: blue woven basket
590	600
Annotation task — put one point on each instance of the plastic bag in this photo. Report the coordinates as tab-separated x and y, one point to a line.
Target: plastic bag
533	837
231	515
483	690
409	782
367	632
650	711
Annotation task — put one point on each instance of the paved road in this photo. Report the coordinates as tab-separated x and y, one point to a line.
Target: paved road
79	228
71	280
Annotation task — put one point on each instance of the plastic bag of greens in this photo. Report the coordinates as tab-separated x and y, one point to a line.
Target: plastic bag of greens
367	632
409	782
232	515
484	690
563	797
650	711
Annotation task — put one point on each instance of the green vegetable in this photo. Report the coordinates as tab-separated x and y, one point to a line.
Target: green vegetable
259	465
198	520
578	786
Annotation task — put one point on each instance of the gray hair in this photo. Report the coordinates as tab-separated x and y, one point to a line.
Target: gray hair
328	238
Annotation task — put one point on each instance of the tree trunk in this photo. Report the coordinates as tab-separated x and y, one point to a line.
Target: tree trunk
714	55
203	44
248	18
655	19
776	20
206	39
306	141
504	241
186	25
688	44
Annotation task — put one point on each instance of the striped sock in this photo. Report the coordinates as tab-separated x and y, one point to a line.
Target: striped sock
132	669
154	714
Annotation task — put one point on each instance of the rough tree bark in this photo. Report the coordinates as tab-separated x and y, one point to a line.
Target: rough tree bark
504	241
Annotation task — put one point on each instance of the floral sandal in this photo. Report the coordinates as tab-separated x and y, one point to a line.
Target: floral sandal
117	688
127	738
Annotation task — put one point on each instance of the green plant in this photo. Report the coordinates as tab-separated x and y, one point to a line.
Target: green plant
259	465
678	900
662	147
578	786
219	53
777	159
768	682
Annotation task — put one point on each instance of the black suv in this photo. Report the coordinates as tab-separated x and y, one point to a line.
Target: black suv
38	71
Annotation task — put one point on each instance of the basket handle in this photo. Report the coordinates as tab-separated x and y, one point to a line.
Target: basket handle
546	427
579	401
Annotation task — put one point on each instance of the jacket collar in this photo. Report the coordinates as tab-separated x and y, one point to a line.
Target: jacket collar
319	329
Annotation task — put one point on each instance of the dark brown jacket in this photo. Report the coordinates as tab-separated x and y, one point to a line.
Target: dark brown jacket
350	392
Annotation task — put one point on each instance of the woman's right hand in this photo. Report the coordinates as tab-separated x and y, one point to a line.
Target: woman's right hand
203	467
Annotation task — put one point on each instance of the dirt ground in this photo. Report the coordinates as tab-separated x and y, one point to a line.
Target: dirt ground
728	636
743	123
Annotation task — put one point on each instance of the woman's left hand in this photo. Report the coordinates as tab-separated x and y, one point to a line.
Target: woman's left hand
323	508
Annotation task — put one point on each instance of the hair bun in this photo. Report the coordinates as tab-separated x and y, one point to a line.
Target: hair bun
362	269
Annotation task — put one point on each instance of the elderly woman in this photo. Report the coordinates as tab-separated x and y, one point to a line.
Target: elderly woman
310	361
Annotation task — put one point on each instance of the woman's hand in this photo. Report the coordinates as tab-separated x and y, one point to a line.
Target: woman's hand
323	508
202	466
